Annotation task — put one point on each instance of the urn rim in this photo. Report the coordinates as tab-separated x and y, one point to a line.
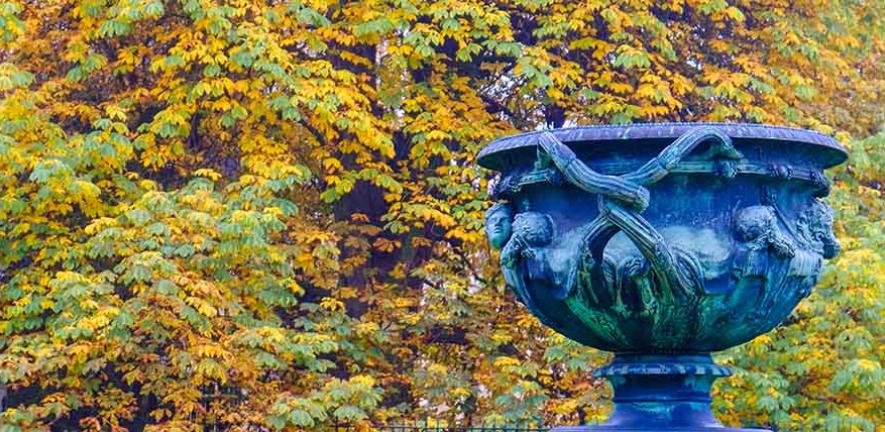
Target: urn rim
492	155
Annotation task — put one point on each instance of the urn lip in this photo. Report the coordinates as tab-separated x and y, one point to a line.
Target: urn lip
493	156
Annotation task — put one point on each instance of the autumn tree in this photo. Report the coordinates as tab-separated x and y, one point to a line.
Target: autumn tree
256	214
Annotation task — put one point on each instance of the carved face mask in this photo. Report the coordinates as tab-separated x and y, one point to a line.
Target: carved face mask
498	226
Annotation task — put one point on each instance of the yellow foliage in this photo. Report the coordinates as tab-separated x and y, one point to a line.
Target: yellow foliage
211	212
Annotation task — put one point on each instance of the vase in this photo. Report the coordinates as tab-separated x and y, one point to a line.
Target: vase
662	243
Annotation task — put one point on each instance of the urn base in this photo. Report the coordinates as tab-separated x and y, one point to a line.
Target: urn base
661	393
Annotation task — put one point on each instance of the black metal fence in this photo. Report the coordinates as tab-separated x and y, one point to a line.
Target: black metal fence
434	427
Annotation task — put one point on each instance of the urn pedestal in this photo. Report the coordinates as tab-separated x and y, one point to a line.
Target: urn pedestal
662	243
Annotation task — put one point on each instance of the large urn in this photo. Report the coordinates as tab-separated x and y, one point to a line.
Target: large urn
662	243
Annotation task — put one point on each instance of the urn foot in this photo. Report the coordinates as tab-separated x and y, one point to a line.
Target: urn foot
661	393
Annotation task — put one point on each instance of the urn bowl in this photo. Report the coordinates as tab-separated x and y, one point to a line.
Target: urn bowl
658	239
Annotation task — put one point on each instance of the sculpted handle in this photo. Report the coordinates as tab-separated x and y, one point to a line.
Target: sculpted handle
623	197
629	188
626	191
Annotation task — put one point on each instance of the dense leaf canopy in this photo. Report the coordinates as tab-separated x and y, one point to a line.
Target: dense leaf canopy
255	214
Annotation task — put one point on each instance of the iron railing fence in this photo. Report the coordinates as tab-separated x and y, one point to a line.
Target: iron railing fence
435	427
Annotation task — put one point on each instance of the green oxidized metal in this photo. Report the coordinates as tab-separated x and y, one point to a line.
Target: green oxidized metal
662	243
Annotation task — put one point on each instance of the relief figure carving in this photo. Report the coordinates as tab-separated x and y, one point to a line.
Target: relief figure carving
523	241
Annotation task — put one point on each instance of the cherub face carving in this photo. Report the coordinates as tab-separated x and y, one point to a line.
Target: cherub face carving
757	226
754	222
536	229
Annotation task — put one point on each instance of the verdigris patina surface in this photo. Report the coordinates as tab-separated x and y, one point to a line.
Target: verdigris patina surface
662	243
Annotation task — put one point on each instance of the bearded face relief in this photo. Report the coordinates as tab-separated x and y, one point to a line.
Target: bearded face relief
499	219
815	228
754	223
